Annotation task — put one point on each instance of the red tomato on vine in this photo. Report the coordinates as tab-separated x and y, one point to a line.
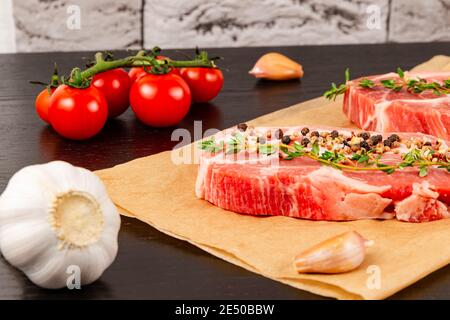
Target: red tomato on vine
42	103
115	85
77	114
205	83
136	73
160	100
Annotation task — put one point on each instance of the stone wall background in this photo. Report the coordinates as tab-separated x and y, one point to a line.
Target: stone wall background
47	25
53	25
7	34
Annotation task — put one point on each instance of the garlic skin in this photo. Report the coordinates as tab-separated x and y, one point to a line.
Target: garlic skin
53	216
339	254
275	66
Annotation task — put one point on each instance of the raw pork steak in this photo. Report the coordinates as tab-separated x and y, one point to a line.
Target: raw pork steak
385	110
243	180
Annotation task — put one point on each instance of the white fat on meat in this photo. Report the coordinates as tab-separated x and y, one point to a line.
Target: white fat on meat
422	200
347	198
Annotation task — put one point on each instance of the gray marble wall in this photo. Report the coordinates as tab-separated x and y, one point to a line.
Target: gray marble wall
63	25
413	21
255	23
66	25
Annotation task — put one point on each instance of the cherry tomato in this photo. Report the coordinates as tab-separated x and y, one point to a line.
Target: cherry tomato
42	103
175	71
160	100
115	85
78	114
205	83
136	73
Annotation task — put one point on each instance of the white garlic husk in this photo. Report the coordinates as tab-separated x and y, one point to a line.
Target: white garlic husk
56	216
342	253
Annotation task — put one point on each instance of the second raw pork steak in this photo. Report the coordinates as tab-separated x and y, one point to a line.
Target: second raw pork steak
294	172
385	110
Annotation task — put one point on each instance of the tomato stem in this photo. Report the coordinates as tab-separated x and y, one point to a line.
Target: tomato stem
141	59
54	82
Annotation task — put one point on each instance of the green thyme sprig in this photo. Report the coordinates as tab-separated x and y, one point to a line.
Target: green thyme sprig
362	158
267	149
367	83
414	158
391	84
294	152
210	145
416	86
236	143
337	90
339	161
334	159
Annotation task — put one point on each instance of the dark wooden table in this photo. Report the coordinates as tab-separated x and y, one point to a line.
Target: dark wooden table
151	265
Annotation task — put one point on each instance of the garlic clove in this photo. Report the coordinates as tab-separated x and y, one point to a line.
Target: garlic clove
339	254
275	66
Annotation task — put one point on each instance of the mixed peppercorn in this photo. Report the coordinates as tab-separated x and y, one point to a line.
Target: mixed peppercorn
337	148
362	141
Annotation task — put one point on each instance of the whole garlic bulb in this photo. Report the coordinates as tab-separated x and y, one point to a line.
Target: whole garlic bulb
54	216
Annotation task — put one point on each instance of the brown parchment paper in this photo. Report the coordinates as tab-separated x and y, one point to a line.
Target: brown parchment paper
155	190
